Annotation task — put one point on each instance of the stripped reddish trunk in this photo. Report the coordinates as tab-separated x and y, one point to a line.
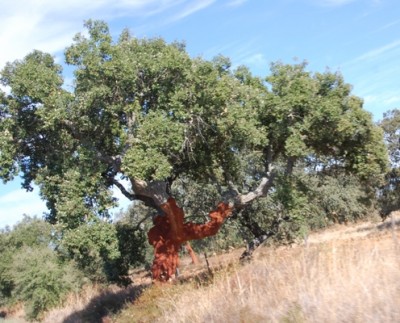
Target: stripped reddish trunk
192	254
170	232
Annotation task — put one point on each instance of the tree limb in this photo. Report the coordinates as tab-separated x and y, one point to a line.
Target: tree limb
123	190
262	190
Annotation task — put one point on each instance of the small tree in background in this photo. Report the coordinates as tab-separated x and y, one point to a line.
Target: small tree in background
390	192
31	270
41	280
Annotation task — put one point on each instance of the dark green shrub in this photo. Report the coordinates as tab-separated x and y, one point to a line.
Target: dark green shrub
94	249
41	280
30	232
6	281
389	195
131	245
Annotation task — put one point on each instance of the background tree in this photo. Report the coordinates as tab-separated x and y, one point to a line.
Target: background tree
390	192
145	111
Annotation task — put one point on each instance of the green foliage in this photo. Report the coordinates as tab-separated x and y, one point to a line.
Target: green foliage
131	245
94	248
41	280
197	200
316	115
30	269
40	265
390	191
6	280
75	198
231	235
31	232
307	201
342	198
140	107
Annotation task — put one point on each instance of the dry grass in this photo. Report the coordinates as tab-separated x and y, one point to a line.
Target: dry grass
344	274
353	280
94	304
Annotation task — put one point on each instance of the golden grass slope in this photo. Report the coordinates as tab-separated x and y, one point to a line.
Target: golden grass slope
341	280
344	274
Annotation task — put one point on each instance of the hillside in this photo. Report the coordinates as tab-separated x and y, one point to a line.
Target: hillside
343	274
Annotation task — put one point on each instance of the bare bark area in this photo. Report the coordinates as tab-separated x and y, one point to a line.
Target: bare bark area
170	232
156	190
192	254
262	190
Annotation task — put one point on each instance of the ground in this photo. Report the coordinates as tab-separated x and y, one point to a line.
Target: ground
364	244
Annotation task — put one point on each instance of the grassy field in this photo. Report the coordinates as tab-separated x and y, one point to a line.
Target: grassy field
339	281
344	274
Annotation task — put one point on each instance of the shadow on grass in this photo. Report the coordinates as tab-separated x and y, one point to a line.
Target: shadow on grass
106	304
388	224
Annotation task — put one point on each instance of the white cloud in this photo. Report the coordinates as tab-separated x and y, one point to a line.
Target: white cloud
372	54
49	25
389	25
333	3
256	59
393	99
18	202
236	3
191	8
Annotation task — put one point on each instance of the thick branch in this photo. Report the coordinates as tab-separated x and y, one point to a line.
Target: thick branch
123	190
156	191
147	200
262	190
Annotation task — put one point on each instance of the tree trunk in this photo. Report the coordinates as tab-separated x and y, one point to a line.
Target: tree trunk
170	232
192	254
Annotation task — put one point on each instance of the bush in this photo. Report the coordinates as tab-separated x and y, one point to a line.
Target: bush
6	281
131	245
29	232
30	269
94	248
41	280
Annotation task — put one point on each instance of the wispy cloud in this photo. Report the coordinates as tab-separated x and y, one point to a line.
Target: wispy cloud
191	8
388	99
378	104
17	203
332	3
392	100
49	25
374	53
236	3
389	25
256	59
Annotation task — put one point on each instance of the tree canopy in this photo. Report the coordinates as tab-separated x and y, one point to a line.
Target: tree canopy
145	111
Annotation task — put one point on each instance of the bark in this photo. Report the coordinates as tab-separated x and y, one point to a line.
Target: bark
170	232
192	254
259	234
262	190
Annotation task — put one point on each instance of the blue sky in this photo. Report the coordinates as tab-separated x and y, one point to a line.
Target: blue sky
359	38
